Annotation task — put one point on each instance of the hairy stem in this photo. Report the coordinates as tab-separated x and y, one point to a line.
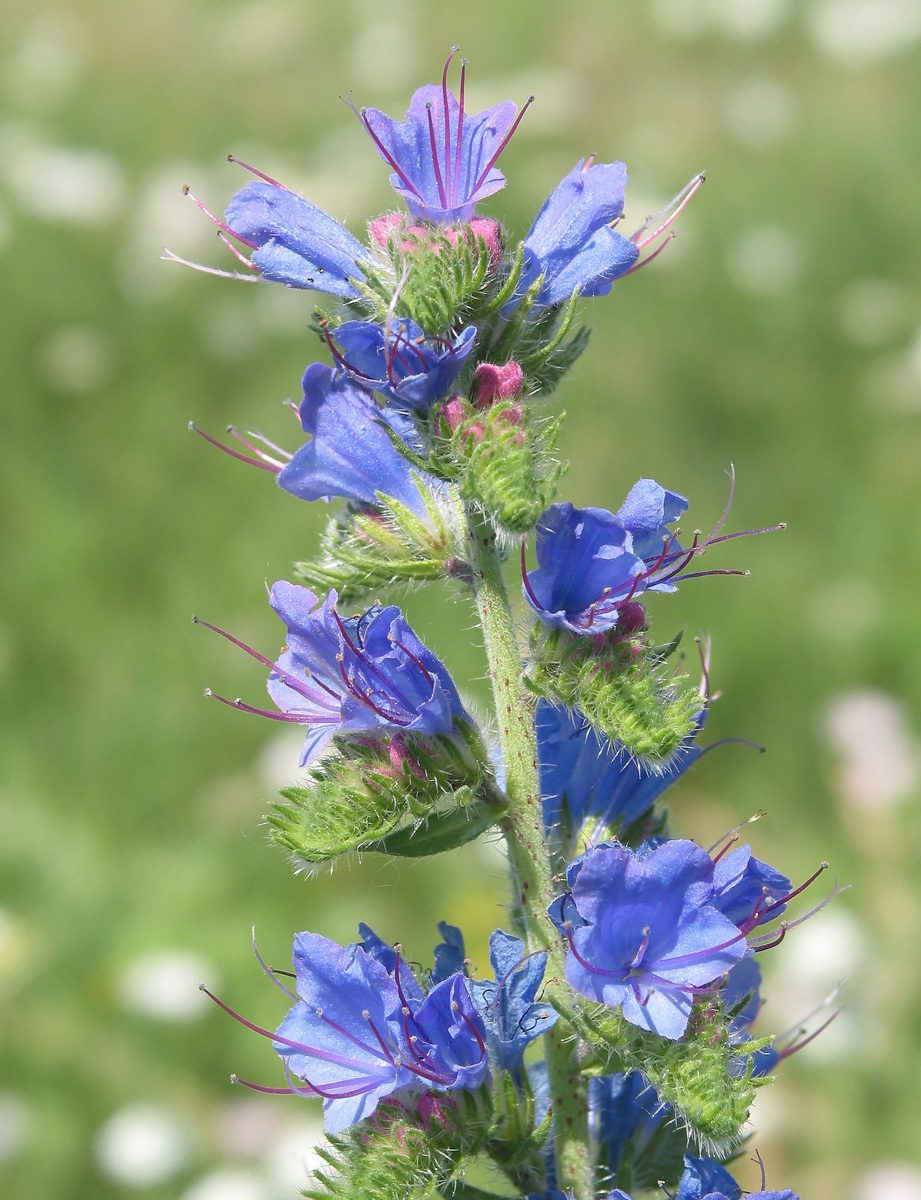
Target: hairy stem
527	847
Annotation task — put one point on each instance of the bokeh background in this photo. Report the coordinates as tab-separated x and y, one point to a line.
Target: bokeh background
780	332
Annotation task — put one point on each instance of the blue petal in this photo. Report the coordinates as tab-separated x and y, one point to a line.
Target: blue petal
299	245
584	561
449	953
594	777
702	1177
647	512
400	362
350	453
742	882
508	1004
571	243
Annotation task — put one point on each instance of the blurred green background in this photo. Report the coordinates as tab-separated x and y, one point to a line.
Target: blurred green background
779	332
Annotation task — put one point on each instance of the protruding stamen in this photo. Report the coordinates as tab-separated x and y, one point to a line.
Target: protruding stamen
268	970
247	262
217	221
253	462
253	171
447	118
286	678
255	449
291	718
644	262
169	256
460	132
681	200
387	156
505	141
442	196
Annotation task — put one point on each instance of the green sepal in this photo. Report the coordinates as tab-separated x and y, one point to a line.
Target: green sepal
515	1142
440	286
704	1076
462	822
363	549
622	685
402	1154
361	793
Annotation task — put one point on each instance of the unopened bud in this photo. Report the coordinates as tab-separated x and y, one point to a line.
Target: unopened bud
497	383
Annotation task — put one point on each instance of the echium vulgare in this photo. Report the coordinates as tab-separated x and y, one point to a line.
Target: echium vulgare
608	1044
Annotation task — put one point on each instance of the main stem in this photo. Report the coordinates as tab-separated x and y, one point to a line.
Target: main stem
527	848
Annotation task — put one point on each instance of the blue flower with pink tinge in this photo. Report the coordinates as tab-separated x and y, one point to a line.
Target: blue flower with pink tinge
573	246
290	240
704	1179
399	361
362	1029
351	676
643	935
593	564
351	453
442	158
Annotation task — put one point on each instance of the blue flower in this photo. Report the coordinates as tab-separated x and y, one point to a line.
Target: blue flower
398	360
443	158
704	1179
350	453
747	890
592	562
353	675
571	243
361	1030
293	242
508	1004
643	935
584	776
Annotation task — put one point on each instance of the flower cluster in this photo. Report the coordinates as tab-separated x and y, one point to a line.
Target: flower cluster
632	950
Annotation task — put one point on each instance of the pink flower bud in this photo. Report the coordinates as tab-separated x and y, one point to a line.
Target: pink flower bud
497	383
453	412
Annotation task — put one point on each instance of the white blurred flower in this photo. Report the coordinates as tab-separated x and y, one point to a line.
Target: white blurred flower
293	1157
890	1181
760	113
858	32
879	759
141	1145
165	984
872	311
67	184
228	1184
14	1125
765	261
246	1127
277	765
77	358
741	19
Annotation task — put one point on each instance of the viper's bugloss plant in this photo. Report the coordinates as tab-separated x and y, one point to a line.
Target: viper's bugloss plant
609	1046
